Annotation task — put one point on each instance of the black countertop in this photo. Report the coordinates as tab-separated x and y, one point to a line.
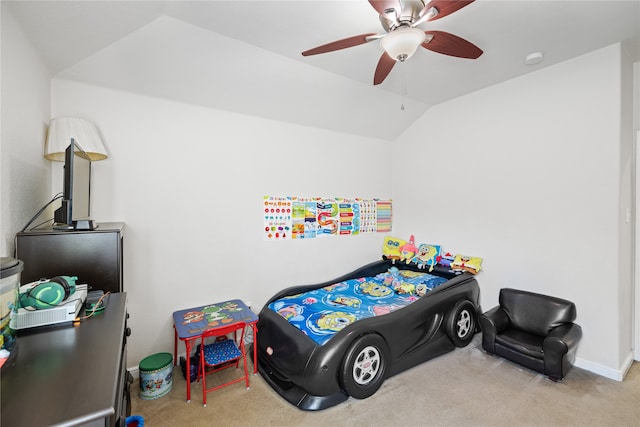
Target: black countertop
67	374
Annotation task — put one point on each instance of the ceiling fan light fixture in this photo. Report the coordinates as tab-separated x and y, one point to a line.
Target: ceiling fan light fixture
402	43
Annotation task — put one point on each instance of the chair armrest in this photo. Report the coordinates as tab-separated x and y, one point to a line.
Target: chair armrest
562	339
492	323
494	320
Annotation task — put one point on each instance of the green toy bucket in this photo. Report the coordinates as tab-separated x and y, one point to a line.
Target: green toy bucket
156	375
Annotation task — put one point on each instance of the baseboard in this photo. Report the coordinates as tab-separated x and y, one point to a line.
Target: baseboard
135	370
617	375
604	371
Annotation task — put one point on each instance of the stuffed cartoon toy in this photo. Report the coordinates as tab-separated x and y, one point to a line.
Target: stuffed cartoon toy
426	255
408	250
391	248
446	259
466	263
404	288
421	289
391	276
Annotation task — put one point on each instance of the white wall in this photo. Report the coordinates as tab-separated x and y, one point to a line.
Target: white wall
627	200
24	177
189	184
527	174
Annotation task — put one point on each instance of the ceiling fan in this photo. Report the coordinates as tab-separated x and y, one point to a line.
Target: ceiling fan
400	19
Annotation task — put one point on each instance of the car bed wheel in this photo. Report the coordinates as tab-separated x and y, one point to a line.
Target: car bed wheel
461	323
364	366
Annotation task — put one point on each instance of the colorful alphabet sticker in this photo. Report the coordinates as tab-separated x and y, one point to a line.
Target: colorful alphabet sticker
306	218
277	218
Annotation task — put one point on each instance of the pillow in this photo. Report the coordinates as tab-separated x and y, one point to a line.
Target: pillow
467	263
391	248
426	255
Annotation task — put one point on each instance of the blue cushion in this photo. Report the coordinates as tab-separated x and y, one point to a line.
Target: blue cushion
220	352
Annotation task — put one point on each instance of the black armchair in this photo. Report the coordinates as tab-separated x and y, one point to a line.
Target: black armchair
533	330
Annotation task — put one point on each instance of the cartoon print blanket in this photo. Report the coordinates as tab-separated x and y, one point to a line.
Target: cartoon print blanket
323	312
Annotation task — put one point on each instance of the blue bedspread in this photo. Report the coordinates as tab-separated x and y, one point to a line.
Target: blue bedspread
321	313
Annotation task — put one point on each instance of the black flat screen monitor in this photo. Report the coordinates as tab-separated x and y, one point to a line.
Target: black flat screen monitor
76	200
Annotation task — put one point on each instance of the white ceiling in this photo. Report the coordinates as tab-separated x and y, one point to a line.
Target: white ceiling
245	56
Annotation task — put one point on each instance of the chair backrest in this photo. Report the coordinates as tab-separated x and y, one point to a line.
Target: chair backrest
224	330
536	313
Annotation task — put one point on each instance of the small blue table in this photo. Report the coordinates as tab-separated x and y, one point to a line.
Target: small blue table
190	323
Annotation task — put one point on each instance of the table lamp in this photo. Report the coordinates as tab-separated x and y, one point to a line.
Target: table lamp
85	133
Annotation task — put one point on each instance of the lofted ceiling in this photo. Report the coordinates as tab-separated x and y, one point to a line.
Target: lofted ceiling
245	56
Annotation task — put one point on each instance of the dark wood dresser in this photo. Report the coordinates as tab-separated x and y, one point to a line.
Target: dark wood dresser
94	256
70	374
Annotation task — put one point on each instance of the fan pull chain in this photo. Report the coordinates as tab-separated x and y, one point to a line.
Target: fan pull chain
404	88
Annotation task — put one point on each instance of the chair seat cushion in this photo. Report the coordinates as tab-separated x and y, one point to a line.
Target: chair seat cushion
220	352
521	342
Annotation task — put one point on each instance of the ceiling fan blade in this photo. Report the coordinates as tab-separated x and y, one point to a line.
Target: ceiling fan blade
385	65
445	7
339	44
381	6
449	44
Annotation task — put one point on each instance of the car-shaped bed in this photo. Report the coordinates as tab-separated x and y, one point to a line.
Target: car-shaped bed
361	351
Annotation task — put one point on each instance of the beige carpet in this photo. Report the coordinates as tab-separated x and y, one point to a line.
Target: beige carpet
464	388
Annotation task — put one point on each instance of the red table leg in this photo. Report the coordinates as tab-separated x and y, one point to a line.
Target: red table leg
187	344
175	347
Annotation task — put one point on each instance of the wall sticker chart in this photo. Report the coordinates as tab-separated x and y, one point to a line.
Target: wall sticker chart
383	216
290	218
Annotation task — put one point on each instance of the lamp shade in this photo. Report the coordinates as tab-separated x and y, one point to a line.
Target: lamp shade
402	43
85	133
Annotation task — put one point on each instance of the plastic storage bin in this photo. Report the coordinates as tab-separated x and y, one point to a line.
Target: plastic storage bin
10	269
